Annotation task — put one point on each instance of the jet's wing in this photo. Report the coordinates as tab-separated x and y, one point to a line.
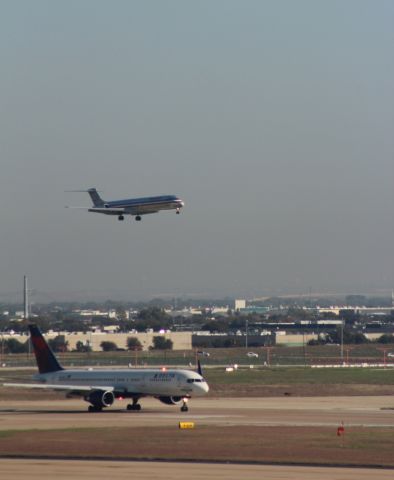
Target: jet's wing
122	210
107	211
140	210
65	388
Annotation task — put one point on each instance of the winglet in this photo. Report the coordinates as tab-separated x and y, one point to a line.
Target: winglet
199	369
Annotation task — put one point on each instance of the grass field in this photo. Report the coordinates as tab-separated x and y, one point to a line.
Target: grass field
295	375
218	356
372	446
274	380
266	376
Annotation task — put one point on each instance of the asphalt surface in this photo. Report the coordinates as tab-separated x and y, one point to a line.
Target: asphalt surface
96	470
287	411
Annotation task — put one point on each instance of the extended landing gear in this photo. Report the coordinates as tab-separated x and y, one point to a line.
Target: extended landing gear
94	408
184	407
121	217
134	406
178	211
138	218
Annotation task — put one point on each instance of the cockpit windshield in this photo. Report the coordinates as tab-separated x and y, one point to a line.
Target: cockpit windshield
195	380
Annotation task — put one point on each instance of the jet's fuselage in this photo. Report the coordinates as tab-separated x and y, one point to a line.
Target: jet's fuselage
156	382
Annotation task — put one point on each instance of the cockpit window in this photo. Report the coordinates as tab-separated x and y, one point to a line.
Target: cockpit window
195	380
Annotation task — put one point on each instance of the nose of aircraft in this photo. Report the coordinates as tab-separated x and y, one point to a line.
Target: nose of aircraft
200	389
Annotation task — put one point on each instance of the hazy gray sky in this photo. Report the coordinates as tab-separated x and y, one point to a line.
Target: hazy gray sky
273	120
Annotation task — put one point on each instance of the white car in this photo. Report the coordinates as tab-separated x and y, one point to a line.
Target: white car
252	355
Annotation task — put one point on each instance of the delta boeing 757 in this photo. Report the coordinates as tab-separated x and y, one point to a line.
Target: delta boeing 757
100	388
132	206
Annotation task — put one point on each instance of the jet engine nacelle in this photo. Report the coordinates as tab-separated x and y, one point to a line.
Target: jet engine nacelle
171	400
100	398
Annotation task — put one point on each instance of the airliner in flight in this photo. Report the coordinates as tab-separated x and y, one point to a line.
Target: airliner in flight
100	388
133	206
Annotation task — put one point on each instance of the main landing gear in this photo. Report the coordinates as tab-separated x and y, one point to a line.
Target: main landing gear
138	218
121	217
95	408
134	406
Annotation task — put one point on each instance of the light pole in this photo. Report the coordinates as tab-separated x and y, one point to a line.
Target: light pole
268	356
348	350
2	348
342	341
384	350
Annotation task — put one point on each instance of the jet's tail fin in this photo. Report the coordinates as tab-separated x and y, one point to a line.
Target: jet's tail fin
96	199
46	360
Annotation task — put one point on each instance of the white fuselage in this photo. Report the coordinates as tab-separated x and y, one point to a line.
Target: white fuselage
155	382
139	206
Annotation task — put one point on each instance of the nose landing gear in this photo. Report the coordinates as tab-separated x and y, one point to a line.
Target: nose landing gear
184	407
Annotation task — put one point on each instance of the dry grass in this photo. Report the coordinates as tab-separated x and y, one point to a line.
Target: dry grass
316	445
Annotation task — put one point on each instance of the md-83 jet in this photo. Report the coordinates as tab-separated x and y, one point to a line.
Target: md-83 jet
132	206
100	388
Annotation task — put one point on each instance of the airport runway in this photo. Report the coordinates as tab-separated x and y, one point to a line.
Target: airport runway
283	411
270	412
96	470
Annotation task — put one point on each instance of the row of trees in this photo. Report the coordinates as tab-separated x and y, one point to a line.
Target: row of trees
60	344
154	318
350	338
159	343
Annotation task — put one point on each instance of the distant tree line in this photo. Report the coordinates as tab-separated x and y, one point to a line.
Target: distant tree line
350	338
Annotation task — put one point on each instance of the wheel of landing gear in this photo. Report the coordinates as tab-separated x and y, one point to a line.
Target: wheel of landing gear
121	217
138	218
94	408
184	408
135	407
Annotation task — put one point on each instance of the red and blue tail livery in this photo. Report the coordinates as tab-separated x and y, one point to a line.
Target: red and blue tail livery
46	360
